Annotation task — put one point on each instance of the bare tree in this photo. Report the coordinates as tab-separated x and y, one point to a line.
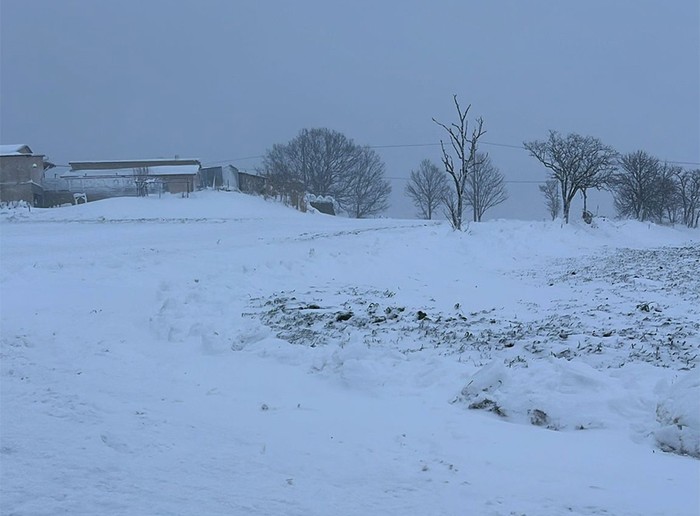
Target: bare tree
141	180
635	185
324	162
667	200
576	162
550	190
647	189
317	158
688	182
365	192
486	186
465	149
427	188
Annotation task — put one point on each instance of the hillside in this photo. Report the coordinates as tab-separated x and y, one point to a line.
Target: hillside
226	355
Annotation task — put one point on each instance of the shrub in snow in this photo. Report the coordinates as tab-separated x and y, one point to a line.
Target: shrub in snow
678	413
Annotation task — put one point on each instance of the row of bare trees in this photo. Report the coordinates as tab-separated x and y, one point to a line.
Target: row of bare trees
468	179
646	188
643	187
324	162
429	189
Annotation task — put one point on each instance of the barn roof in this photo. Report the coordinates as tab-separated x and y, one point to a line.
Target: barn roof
131	164
15	149
158	170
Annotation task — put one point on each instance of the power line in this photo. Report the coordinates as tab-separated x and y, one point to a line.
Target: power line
413	145
506	145
517	181
390	146
683	162
233	159
401	145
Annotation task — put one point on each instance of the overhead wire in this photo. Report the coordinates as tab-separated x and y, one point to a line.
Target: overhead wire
436	144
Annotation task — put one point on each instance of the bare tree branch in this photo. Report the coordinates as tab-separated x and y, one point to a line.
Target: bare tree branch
465	149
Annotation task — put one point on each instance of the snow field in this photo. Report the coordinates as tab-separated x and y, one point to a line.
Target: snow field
185	356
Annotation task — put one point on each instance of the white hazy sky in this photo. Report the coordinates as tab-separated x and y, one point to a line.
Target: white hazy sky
224	80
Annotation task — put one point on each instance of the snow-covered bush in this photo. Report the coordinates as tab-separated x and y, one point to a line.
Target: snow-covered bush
678	413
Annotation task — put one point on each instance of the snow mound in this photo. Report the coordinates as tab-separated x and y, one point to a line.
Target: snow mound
12	210
678	413
542	393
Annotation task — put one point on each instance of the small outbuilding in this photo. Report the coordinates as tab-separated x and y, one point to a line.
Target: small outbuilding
228	177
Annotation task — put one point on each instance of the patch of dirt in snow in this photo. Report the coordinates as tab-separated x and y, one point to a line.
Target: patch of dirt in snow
314	319
624	306
644	303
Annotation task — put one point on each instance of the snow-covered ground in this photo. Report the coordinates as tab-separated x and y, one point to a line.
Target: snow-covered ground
227	355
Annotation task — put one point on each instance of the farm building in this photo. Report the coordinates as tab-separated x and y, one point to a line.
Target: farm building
103	179
22	174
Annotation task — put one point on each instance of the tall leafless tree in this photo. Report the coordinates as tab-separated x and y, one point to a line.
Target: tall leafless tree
427	188
324	162
365	192
465	148
486	186
577	162
666	204
552	200
317	158
635	185
688	182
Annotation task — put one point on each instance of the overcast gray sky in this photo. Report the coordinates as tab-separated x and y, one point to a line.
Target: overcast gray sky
224	80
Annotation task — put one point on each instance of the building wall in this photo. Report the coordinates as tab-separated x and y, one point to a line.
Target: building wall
220	177
98	188
183	184
102	188
249	183
21	178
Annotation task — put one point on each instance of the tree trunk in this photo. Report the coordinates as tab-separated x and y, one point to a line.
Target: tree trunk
460	207
566	204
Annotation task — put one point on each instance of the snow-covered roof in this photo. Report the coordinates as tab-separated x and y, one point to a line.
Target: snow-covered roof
15	149
130	163
159	170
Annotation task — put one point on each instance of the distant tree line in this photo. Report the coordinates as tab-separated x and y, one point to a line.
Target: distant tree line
326	163
643	187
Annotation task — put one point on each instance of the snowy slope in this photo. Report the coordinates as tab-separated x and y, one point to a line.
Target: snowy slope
226	355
